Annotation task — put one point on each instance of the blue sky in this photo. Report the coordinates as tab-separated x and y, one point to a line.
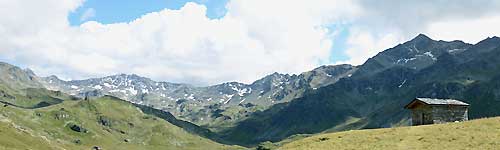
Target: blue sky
116	11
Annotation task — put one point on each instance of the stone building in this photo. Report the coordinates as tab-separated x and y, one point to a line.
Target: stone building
435	111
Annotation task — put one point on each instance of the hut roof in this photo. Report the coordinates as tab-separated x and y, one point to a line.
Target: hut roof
433	101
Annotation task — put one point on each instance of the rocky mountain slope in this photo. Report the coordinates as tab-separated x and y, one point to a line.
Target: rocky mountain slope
213	105
17	78
22	88
374	96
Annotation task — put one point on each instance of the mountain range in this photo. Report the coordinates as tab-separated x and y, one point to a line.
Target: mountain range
327	99
210	106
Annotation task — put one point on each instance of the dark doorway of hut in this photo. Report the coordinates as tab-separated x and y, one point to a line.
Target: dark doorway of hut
423	119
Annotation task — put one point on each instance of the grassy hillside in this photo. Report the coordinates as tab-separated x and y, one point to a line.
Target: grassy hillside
105	122
476	134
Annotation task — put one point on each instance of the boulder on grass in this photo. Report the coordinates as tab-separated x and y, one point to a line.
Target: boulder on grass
77	128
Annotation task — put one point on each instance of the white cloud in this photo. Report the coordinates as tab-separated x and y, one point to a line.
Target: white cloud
385	23
253	39
471	30
363	44
87	14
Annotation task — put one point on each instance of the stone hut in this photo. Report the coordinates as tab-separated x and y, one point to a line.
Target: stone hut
435	111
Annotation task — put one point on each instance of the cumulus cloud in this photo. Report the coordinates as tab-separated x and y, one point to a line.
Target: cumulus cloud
385	23
253	39
364	44
89	13
416	15
470	30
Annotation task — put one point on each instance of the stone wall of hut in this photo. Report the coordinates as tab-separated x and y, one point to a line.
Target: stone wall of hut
436	114
449	113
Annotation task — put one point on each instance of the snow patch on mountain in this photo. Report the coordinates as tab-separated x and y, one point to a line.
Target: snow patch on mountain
97	87
403	83
456	50
430	55
405	60
242	100
132	90
108	85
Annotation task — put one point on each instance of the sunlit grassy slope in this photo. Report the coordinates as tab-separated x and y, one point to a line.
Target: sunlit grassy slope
482	134
110	124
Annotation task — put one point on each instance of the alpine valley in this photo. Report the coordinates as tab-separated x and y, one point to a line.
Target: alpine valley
216	106
134	112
